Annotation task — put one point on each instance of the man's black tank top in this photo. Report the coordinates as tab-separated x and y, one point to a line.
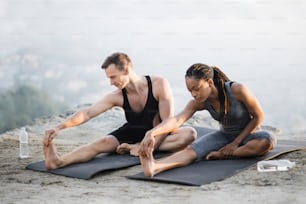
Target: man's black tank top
144	118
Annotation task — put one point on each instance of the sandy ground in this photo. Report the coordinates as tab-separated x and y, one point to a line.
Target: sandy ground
18	185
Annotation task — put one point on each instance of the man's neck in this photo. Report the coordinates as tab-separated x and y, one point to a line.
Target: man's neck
136	84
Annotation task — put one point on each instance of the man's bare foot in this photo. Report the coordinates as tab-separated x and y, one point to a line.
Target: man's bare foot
45	144
215	155
148	165
125	148
52	160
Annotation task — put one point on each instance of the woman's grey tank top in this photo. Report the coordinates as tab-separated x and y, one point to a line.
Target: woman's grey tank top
237	117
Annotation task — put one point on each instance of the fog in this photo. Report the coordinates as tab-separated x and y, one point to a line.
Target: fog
59	46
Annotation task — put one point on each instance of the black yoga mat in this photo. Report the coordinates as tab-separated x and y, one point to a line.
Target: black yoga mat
205	172
99	164
88	169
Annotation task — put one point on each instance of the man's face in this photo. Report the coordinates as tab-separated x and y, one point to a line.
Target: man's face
118	78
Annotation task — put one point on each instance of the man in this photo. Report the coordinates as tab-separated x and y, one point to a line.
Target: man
146	101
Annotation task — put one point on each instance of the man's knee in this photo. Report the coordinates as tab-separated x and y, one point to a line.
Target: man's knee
109	140
107	143
187	135
191	134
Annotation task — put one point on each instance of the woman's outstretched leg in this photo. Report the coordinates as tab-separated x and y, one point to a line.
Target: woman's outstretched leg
152	167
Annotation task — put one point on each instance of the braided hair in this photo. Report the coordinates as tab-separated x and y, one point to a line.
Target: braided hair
203	71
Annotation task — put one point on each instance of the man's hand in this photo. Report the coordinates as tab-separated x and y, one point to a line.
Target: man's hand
49	136
147	146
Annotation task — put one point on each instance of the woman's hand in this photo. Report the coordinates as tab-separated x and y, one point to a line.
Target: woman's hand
147	145
229	149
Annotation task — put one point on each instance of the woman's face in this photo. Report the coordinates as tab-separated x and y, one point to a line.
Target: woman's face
200	89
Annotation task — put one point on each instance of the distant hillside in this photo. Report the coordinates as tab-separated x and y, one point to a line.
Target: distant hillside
22	105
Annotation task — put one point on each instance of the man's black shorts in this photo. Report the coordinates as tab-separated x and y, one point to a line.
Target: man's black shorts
130	134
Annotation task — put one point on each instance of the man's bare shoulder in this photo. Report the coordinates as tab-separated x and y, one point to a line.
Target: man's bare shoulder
159	81
114	97
161	88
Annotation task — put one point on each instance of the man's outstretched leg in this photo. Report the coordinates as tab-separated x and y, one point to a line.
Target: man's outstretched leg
52	159
82	154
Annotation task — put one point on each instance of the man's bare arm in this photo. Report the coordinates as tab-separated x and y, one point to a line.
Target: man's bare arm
82	116
163	93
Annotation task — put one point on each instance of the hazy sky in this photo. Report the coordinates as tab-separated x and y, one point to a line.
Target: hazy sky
262	43
156	32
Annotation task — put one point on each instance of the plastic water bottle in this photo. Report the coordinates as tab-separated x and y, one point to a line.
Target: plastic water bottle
23	144
275	165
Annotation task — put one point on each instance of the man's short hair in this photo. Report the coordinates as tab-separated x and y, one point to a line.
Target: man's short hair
121	60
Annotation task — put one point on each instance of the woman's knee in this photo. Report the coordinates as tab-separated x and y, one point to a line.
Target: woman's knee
266	139
260	146
266	145
268	142
270	137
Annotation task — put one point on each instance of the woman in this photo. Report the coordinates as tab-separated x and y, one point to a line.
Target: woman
231	103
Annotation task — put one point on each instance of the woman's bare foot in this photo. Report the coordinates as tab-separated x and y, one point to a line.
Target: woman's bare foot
125	148
148	165
52	160
214	155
